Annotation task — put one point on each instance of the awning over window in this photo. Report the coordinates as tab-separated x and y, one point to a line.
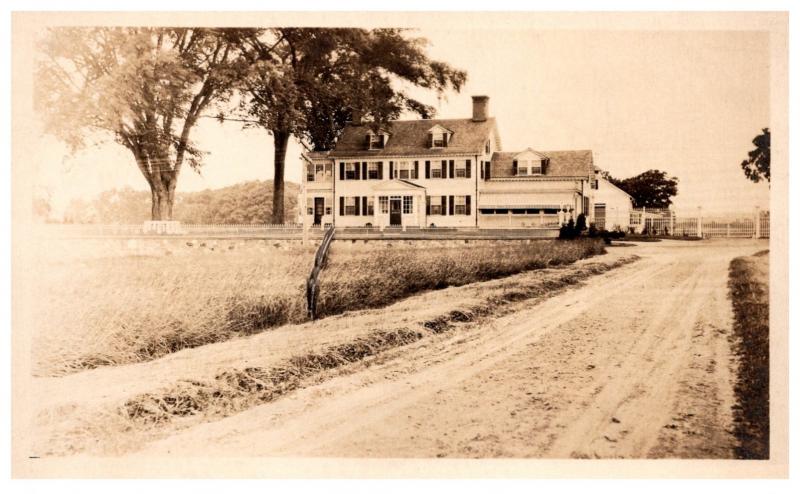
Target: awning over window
526	201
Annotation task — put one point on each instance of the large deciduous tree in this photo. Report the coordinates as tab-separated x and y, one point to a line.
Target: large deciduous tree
756	166
308	82
144	87
651	189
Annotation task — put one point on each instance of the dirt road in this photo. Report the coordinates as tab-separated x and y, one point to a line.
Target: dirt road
635	364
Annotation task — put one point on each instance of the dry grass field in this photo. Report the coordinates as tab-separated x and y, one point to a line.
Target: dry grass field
94	312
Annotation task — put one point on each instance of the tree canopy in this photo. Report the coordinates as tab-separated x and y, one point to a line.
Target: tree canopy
651	189
756	166
143	87
308	82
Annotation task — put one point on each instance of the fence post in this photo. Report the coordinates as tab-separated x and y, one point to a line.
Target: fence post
757	223
671	222
700	221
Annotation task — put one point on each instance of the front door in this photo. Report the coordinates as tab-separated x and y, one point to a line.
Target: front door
395	212
319	209
600	216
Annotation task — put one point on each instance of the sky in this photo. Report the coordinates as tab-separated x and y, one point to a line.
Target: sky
686	102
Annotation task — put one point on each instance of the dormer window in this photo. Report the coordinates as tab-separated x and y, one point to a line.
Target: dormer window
524	168
439	137
529	163
376	140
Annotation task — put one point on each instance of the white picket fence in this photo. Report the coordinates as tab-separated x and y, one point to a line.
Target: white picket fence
665	222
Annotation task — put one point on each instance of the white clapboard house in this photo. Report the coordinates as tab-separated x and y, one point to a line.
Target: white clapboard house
452	173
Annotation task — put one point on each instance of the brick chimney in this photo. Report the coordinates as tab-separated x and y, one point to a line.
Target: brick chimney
356	116
480	108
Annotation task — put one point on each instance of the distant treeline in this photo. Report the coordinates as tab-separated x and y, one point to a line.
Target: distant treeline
247	202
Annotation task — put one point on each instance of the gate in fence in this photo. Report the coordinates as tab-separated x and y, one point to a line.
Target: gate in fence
665	222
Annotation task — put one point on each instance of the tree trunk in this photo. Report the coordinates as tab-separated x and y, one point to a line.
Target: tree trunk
281	142
161	209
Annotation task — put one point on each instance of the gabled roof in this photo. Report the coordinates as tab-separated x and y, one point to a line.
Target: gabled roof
607	183
410	138
439	128
530	151
562	163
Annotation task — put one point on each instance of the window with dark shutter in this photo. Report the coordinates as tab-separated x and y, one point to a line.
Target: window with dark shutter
468	201
368	141
452	169
364	205
444	168
341	171
430	139
357	168
481	170
514	168
427	169
380	170
391	170
382	141
469	168
358	209
428	205
363	170
451	207
416	170
488	174
341	206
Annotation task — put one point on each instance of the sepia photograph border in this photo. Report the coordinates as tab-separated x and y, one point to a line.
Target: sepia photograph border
26	25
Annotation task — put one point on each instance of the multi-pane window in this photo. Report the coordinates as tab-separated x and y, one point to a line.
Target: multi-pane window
322	172
461	205
439	139
525	167
402	170
405	170
383	202
437	205
436	172
461	169
350	171
370	206
408	204
376	141
309	172
372	170
350	205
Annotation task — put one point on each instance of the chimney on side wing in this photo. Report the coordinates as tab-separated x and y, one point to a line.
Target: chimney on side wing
480	108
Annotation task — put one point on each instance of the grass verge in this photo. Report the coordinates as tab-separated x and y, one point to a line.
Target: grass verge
148	416
749	291
373	280
125	310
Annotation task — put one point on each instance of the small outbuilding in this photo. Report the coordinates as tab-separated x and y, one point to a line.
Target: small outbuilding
612	206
